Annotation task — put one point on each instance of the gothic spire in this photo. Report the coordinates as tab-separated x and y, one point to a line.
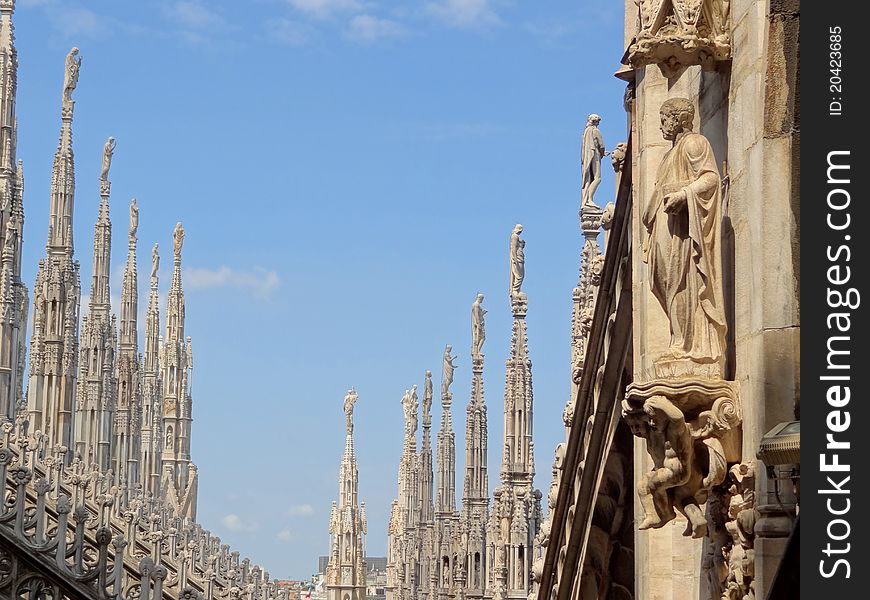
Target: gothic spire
100	297
445	501
517	462
60	240
129	288
427	506
476	484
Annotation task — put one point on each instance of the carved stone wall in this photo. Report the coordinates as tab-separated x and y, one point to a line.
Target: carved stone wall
746	108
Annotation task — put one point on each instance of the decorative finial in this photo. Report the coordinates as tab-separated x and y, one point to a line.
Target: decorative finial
178	240
108	151
517	261
71	74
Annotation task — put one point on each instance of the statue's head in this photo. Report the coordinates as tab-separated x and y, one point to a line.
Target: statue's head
593	119
428	373
677	115
518	228
480	297
637	420
448	348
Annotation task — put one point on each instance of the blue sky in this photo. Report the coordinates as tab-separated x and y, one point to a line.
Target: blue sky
348	174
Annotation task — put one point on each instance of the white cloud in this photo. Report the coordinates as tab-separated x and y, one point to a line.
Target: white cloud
285	535
70	19
236	524
300	510
192	13
289	32
322	9
258	281
464	13
367	28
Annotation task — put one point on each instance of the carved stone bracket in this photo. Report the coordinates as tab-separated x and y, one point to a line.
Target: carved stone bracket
692	431
677	33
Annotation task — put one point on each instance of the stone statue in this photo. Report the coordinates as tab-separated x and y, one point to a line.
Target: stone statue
414	407
686	465
108	151
9	238
155	261
478	333
427	393
683	245
592	153
447	372
517	260
134	217
349	400
71	74
178	239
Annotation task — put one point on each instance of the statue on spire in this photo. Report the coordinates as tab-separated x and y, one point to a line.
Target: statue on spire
155	262
134	219
427	394
71	73
108	151
478	333
517	261
592	153
178	239
447	372
349	400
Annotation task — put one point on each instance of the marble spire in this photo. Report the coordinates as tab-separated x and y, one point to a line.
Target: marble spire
150	466
57	293
127	443
95	393
345	577
178	482
13	292
475	489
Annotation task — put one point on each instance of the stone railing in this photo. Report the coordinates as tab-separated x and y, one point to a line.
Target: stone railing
65	531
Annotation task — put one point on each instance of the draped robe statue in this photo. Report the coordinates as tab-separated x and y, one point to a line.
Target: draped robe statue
683	246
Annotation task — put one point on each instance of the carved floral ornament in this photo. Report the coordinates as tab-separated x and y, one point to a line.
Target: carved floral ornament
677	33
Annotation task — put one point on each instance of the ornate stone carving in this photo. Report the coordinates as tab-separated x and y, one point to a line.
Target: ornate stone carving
689	426
683	248
677	33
